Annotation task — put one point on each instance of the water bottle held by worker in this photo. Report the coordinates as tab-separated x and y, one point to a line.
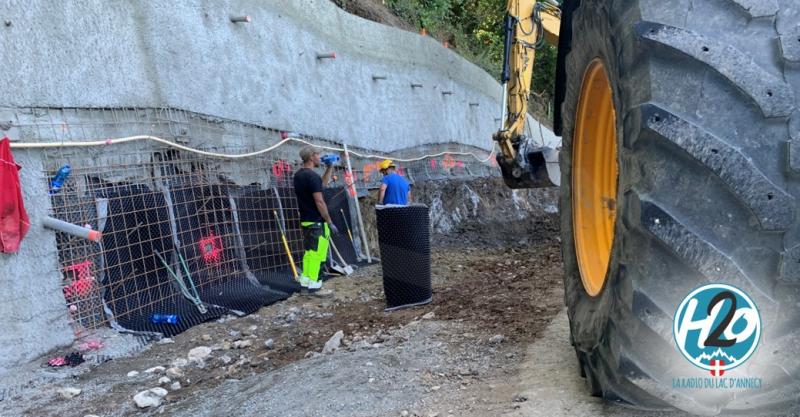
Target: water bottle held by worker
164	319
330	159
59	179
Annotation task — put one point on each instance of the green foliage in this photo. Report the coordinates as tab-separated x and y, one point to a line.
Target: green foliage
474	28
544	71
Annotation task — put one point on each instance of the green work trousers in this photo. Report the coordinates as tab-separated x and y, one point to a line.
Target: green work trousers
315	243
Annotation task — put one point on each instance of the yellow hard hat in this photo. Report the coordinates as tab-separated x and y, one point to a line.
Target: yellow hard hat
386	164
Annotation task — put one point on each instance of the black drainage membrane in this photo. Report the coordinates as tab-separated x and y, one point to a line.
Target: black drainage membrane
208	244
338	208
404	239
137	285
261	236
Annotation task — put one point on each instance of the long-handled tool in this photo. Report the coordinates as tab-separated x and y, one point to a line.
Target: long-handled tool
347	225
333	266
347	268
286	245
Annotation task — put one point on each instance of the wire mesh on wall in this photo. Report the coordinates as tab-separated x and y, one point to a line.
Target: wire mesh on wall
183	238
187	237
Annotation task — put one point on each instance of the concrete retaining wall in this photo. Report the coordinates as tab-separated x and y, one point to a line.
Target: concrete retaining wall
33	314
188	55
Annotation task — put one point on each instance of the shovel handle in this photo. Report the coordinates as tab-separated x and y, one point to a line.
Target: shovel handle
338	254
346	225
285	244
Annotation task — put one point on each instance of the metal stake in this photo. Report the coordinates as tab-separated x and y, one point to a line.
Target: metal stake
358	207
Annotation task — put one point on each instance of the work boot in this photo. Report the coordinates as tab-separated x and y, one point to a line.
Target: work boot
315	289
304	281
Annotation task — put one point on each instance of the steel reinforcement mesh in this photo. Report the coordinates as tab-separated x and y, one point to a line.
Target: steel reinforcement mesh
159	208
404	240
262	218
205	231
171	221
137	284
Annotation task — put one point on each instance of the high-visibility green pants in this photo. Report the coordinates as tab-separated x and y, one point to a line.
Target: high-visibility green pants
315	243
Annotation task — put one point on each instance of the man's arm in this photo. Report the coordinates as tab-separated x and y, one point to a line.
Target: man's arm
322	207
383	193
408	198
326	177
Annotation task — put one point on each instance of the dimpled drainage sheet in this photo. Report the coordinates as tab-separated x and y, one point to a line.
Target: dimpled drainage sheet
207	242
338	207
263	247
404	239
137	285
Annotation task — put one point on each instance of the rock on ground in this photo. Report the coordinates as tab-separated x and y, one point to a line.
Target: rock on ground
199	353
241	344
69	392
174	372
333	343
155	370
180	363
149	398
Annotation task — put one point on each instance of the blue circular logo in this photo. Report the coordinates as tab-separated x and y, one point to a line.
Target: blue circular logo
717	327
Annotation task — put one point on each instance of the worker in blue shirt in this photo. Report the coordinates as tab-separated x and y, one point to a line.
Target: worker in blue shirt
394	188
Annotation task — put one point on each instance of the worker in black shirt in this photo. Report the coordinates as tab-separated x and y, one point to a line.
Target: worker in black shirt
314	218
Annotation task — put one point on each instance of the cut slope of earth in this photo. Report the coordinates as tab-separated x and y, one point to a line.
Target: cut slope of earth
374	10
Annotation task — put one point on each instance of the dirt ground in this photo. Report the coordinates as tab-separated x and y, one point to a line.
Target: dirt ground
479	292
495	290
493	342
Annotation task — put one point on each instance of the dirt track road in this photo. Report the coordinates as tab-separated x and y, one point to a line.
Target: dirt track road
461	360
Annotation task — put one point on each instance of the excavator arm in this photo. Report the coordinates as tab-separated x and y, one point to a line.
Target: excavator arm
527	26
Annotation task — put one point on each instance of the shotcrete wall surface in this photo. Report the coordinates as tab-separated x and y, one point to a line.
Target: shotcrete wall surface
156	54
32	309
189	55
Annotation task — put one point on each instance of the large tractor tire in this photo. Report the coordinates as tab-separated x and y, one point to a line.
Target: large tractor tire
680	164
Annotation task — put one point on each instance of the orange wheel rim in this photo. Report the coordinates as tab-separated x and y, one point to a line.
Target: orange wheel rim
594	177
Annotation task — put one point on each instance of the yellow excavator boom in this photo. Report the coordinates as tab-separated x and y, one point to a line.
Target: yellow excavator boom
528	25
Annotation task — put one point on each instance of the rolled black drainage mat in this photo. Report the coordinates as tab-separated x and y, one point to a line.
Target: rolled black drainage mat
405	246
